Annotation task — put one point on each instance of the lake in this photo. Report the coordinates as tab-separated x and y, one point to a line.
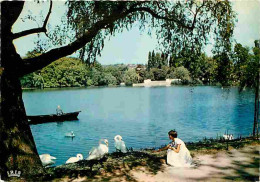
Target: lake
142	116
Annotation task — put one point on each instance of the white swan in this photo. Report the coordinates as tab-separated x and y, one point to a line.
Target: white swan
228	137
47	159
1	179
120	144
100	151
75	159
71	134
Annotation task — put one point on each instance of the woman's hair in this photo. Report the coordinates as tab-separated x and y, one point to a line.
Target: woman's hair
173	133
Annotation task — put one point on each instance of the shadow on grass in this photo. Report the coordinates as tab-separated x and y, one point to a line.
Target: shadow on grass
241	170
112	165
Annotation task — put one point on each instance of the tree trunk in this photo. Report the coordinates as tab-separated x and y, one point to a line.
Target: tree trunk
17	148
256	114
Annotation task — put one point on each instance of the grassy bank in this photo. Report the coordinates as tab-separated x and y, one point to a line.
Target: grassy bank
119	164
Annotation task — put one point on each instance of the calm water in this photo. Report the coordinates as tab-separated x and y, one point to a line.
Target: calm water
142	116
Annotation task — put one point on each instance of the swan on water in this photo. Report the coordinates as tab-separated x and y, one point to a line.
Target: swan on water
75	159
47	159
100	151
119	144
71	134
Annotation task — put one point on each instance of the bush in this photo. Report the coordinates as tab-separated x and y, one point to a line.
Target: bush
183	74
196	82
159	74
89	82
130	77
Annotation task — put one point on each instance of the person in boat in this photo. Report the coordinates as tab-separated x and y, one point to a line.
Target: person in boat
177	153
59	111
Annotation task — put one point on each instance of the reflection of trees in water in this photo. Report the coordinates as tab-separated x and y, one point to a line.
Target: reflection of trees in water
191	90
225	92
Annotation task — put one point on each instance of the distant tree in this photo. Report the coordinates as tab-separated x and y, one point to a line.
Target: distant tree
240	59
27	81
96	77
224	69
130	77
172	61
117	71
107	79
153	61
165	60
149	75
159	74
149	65
157	61
38	80
170	73
208	69
183	74
250	78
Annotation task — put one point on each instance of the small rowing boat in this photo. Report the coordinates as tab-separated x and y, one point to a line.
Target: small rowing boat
53	118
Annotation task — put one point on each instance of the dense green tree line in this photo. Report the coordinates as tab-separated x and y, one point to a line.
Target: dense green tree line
235	68
71	72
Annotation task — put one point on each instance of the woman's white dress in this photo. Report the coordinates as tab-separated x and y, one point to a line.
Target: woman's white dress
181	159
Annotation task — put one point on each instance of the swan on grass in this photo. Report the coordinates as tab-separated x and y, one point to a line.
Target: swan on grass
228	137
119	144
75	159
100	151
1	179
47	159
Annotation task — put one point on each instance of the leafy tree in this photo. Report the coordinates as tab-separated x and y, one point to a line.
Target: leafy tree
27	81
96	77
170	73
208	69
140	70
222	50
117	71
240	60
149	75
37	80
256	78
153	61
172	61
183	74
164	58
130	77
149	65
157	61
159	74
250	76
224	69
88	23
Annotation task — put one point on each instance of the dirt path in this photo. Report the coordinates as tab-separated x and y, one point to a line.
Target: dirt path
238	165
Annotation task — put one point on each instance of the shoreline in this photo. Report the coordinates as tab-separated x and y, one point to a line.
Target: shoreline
119	86
209	156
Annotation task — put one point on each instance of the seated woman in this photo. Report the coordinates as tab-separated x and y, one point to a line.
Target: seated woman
177	153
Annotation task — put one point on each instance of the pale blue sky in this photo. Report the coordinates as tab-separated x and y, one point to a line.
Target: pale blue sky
132	46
